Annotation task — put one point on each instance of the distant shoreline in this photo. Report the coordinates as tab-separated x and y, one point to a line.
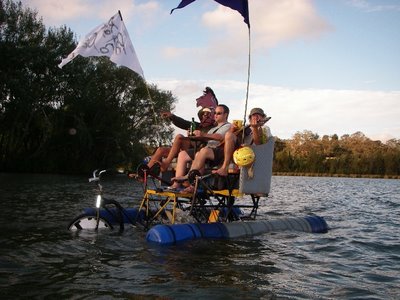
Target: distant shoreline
335	175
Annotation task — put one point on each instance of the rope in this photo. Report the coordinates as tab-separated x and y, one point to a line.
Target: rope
152	104
147	89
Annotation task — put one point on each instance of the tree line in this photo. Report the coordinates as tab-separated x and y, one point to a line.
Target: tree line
92	114
353	154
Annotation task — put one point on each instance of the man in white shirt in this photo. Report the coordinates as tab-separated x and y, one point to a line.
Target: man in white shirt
211	152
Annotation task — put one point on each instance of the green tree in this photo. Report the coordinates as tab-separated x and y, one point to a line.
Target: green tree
88	115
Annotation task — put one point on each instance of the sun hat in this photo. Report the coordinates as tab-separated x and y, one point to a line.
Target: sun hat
259	111
202	111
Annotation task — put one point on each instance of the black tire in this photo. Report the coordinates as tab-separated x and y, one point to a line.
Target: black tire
88	222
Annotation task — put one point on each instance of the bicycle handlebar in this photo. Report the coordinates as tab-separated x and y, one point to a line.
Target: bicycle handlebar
96	175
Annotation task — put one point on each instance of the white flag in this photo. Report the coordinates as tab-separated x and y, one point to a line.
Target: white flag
110	39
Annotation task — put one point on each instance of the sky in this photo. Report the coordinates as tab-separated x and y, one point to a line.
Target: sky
327	66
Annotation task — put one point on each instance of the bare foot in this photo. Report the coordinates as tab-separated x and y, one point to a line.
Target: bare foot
180	178
221	171
175	186
189	189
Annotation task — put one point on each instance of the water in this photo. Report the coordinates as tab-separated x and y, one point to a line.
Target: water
358	259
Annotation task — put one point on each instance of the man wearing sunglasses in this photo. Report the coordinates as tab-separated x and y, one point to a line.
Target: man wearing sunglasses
211	152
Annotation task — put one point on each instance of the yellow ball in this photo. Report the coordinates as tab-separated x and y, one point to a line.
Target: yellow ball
244	156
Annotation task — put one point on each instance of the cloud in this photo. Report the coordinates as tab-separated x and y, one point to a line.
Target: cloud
323	111
326	111
281	21
59	12
367	6
173	52
272	23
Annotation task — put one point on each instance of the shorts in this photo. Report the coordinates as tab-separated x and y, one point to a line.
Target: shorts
191	153
218	157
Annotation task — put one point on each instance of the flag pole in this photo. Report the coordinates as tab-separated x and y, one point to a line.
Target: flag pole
248	77
248	82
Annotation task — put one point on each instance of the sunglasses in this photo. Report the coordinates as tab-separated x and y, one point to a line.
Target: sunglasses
219	113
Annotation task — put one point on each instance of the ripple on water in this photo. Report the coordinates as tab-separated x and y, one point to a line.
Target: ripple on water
357	259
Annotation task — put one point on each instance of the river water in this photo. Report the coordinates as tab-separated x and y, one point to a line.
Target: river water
359	258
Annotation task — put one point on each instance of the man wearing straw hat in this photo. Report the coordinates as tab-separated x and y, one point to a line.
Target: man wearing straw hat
255	133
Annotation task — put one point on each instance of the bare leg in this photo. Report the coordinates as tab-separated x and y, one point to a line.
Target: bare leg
178	144
201	157
158	155
183	159
229	148
199	163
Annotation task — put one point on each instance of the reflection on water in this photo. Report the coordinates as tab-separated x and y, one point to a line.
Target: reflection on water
358	258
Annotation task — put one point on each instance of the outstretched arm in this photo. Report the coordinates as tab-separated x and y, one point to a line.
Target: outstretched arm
177	121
